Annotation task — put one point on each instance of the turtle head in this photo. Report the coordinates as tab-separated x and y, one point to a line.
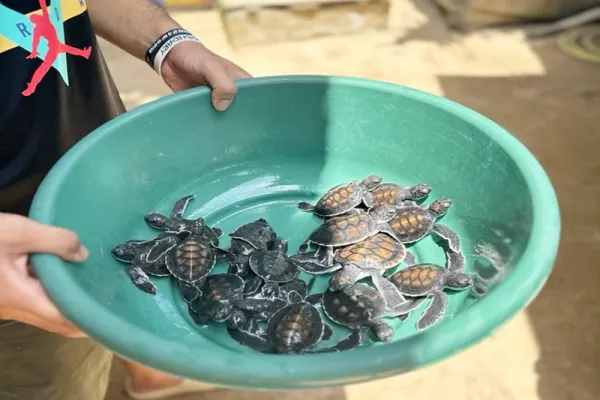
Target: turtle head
340	281
157	221
124	252
440	206
278	244
220	312
198	225
372	181
458	281
384	214
419	191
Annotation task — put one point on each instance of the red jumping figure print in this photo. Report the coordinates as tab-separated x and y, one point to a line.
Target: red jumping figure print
43	28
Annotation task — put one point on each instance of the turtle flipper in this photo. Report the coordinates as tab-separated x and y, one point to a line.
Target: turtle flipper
448	235
351	341
304	206
410	258
383	331
217	231
308	263
368	199
188	292
260	309
405	308
180	206
390	293
160	249
327	332
456	261
256	339
315	299
252	285
199	318
434	311
140	279
304	246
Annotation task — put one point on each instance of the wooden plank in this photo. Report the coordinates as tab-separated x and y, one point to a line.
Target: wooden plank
250	25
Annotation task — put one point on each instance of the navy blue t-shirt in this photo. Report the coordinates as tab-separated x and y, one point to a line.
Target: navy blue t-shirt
55	88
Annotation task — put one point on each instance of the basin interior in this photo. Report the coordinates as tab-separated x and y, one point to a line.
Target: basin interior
277	145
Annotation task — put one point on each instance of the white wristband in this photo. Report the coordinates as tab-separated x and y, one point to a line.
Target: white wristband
167	46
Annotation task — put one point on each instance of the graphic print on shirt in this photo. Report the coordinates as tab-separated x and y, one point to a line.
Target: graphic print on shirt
26	31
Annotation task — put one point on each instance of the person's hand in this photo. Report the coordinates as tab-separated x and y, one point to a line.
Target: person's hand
22	297
191	64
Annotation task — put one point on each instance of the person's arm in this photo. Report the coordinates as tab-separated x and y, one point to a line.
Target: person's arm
132	25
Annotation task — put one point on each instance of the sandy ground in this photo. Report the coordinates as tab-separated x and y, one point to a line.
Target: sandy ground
549	101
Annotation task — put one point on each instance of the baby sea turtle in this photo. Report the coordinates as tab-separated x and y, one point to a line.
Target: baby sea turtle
391	194
144	257
350	229
219	294
274	265
342	198
176	222
370	258
361	306
413	222
430	280
193	259
257	233
190	292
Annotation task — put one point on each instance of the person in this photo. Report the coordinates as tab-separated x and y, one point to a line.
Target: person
54	89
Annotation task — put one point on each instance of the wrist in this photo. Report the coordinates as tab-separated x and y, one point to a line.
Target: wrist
163	48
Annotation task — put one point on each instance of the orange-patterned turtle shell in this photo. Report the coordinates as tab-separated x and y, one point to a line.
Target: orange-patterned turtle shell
379	251
393	194
192	259
418	280
343	230
342	198
412	223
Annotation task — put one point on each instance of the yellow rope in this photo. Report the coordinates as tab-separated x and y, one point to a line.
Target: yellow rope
582	43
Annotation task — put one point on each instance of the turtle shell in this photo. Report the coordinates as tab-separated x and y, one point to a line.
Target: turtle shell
220	289
192	259
258	233
379	251
273	266
386	194
339	199
342	231
418	280
295	328
355	306
411	223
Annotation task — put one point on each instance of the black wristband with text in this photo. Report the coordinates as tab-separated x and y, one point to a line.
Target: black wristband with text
164	38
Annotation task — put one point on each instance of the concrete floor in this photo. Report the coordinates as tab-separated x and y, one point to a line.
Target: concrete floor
548	100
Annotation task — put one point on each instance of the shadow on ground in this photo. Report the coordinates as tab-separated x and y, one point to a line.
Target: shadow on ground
559	121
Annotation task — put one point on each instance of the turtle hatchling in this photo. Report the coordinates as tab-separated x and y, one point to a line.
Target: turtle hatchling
274	265
193	259
146	257
349	229
219	294
430	280
412	223
370	258
176	222
342	198
257	233
392	194
362	306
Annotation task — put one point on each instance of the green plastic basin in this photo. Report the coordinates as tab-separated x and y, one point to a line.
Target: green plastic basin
284	140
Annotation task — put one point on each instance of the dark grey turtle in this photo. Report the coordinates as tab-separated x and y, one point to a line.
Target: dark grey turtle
362	306
412	223
143	257
219	294
429	280
391	194
190	292
176	222
342	198
350	229
274	265
193	259
257	233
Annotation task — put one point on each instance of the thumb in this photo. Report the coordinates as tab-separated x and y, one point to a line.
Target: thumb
223	86
24	235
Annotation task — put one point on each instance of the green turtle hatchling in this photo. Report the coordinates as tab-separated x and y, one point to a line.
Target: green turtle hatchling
274	265
193	259
342	198
429	280
412	223
349	229
362	306
392	194
370	258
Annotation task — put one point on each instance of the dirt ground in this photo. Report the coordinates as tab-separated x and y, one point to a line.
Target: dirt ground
548	100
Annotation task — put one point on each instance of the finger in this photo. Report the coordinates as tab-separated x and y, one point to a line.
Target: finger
29	236
33	320
223	86
236	72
